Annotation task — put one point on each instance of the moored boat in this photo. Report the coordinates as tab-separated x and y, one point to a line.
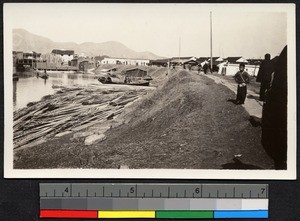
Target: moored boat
109	80
42	74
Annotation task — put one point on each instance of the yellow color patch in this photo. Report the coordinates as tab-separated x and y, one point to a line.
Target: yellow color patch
126	214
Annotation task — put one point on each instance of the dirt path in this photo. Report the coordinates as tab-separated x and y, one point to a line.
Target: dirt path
185	123
252	105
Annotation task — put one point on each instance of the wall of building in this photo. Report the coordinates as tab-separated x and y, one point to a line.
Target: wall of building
56	58
47	65
19	55
74	63
52	58
66	58
232	69
125	61
85	65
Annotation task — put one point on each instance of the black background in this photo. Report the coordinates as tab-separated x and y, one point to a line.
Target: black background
19	198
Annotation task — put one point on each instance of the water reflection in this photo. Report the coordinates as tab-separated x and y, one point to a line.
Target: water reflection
15	93
29	88
72	77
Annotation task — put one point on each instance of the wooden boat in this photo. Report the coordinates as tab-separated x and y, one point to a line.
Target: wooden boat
108	80
41	74
44	76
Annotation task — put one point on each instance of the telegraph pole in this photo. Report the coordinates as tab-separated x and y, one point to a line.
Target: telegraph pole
179	48
211	61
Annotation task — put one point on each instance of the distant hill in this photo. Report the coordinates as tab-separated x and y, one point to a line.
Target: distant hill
26	41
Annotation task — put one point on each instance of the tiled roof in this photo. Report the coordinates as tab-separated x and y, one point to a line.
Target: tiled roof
62	51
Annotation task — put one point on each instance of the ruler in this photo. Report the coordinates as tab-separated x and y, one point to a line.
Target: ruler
153	200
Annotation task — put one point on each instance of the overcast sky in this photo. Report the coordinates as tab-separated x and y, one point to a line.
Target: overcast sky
237	31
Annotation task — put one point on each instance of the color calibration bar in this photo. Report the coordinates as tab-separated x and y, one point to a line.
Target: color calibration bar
172	214
170	201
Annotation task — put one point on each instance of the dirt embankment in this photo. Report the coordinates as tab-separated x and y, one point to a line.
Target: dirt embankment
186	123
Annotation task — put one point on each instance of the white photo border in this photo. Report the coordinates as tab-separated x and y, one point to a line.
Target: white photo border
289	174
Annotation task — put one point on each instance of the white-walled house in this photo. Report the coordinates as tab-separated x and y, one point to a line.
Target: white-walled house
230	66
66	55
231	69
126	61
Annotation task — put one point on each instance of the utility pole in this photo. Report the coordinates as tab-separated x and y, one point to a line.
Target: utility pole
179	47
169	66
211	61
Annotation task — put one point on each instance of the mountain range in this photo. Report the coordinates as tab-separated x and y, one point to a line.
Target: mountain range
26	41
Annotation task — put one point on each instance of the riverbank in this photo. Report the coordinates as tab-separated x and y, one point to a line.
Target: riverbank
70	109
185	123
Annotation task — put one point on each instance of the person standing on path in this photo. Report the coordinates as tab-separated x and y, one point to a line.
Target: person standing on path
242	78
199	69
265	76
206	67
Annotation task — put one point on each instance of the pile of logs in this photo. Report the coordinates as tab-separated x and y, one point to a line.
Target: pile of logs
70	109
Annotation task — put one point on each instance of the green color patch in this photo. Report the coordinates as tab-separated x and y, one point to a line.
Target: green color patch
173	214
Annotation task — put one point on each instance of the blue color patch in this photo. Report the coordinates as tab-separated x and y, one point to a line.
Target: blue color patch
241	214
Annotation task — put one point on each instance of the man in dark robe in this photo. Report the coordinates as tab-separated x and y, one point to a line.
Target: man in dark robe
264	76
206	67
274	118
242	78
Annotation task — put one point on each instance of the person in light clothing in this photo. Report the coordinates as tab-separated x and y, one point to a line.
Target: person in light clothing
242	78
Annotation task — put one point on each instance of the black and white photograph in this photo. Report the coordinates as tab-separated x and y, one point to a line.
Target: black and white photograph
150	90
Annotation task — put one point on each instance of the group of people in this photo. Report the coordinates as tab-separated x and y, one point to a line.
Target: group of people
273	92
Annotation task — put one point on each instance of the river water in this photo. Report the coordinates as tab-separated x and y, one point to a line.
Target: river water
29	88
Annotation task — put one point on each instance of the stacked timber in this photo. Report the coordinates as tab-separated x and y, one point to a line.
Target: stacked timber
70	109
